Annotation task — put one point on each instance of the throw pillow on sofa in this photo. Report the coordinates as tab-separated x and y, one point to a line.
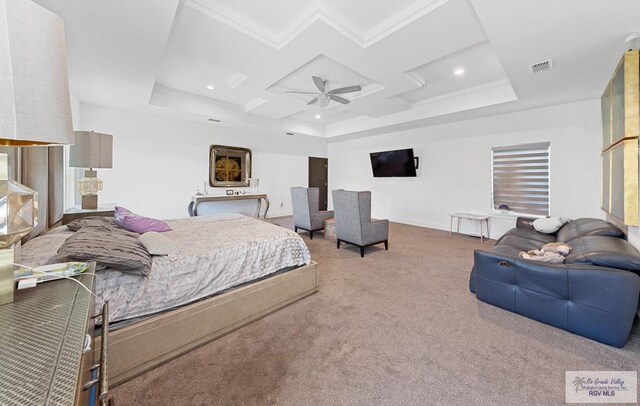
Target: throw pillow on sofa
549	225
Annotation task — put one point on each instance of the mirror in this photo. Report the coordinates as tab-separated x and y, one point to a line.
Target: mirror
229	166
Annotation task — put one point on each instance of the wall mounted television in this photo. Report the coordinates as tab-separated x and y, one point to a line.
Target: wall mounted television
397	163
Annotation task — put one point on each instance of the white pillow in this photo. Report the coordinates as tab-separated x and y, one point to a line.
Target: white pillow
549	225
158	244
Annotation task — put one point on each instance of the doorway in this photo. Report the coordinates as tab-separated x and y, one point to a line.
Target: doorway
318	177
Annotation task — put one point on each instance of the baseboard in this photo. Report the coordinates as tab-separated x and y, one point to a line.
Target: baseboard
421	223
273	214
496	232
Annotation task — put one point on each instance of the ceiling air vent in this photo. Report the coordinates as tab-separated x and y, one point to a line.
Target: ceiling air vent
542	66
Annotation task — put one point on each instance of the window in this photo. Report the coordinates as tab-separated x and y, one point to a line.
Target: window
520	178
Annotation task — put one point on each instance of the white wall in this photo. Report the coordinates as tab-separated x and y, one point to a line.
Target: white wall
455	165
159	162
70	174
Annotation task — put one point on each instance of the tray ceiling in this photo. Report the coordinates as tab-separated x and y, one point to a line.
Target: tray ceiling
234	60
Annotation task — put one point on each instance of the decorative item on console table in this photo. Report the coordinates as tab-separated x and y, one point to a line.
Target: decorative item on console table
254	185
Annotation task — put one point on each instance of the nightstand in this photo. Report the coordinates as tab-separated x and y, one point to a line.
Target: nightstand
74	213
46	354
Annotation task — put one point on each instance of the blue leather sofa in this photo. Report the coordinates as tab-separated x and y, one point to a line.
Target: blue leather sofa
595	293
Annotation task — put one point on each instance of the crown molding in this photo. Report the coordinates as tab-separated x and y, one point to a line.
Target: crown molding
280	40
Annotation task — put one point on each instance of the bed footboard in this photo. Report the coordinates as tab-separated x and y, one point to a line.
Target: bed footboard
140	347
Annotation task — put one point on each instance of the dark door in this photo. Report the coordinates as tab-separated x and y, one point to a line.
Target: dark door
318	175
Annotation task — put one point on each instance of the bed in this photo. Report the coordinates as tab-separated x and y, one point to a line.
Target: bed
229	271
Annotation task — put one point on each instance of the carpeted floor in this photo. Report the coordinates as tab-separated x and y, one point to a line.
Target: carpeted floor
392	328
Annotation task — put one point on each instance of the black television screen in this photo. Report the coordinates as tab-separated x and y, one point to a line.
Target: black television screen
399	163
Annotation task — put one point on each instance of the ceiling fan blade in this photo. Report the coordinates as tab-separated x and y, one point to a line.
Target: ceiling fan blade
313	101
291	91
339	99
320	84
347	89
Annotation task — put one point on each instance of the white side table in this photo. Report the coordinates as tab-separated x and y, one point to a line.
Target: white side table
481	218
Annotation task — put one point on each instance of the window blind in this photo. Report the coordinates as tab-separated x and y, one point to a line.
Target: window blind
520	178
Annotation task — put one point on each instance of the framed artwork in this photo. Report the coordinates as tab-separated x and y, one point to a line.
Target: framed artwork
229	166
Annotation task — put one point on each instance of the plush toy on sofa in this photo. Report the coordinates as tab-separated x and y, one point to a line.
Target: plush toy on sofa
537	255
553	252
559	247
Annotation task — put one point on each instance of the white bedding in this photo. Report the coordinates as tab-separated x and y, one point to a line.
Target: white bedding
217	252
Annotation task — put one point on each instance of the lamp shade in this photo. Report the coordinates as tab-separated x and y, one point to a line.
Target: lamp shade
91	150
35	106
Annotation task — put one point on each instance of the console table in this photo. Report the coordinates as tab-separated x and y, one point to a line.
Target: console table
197	199
481	218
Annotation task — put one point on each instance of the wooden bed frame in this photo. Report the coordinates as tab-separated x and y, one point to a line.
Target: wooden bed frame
142	346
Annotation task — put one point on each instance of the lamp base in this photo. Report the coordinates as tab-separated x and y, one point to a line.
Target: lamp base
89	186
89	202
6	276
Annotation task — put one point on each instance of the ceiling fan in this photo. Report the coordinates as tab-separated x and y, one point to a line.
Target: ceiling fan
324	96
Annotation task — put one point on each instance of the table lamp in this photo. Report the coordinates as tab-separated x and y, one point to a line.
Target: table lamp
18	216
35	110
91	150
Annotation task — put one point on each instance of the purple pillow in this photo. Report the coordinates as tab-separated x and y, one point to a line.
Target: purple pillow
138	224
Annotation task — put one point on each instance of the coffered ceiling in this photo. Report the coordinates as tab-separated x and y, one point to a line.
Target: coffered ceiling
418	61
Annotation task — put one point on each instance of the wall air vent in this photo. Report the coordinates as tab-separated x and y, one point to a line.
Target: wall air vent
541	66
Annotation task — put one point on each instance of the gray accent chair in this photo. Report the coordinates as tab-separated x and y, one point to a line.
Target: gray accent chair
306	213
353	220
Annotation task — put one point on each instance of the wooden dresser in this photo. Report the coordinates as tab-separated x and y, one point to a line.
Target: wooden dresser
43	360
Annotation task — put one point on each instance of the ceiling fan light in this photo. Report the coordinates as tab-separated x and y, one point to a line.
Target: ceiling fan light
323	100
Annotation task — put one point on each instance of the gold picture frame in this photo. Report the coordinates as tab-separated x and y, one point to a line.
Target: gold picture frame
229	166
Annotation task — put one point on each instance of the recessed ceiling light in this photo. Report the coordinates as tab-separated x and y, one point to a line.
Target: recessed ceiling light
210	87
318	116
458	71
